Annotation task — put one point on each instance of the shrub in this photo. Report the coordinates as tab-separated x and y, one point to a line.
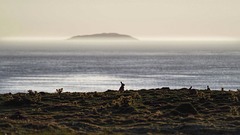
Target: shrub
35	96
115	104
38	97
59	91
90	96
20	100
137	96
126	101
30	92
9	96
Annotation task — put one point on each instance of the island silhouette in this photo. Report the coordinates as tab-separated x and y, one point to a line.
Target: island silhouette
103	36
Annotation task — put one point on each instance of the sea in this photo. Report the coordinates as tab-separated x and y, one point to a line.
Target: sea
82	67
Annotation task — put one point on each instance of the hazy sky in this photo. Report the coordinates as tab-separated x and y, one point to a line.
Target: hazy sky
139	18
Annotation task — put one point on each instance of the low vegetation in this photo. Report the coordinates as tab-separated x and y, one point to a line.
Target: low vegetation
155	111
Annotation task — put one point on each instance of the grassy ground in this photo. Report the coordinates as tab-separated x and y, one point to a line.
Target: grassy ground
155	111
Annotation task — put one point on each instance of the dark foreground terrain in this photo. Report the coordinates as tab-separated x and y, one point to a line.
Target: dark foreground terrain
155	111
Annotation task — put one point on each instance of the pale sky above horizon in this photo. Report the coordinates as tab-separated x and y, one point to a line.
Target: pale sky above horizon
144	19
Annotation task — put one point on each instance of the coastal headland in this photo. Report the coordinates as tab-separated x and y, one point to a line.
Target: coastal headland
155	111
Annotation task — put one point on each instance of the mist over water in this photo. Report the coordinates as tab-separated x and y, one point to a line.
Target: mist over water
99	66
124	46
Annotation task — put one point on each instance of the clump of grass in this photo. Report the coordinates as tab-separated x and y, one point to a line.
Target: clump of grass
234	111
34	96
124	104
18	115
20	100
94	110
126	101
37	97
9	96
158	113
137	95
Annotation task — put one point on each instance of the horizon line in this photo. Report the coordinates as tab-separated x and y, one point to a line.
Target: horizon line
139	39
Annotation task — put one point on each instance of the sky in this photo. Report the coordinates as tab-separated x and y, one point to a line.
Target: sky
143	19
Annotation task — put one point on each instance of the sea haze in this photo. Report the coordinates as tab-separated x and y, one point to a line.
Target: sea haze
99	66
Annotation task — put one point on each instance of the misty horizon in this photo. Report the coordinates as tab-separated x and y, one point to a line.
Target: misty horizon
121	45
163	38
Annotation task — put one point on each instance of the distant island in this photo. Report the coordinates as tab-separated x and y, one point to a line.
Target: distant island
103	36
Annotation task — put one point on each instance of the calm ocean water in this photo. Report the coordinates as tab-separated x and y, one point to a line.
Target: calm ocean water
102	70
